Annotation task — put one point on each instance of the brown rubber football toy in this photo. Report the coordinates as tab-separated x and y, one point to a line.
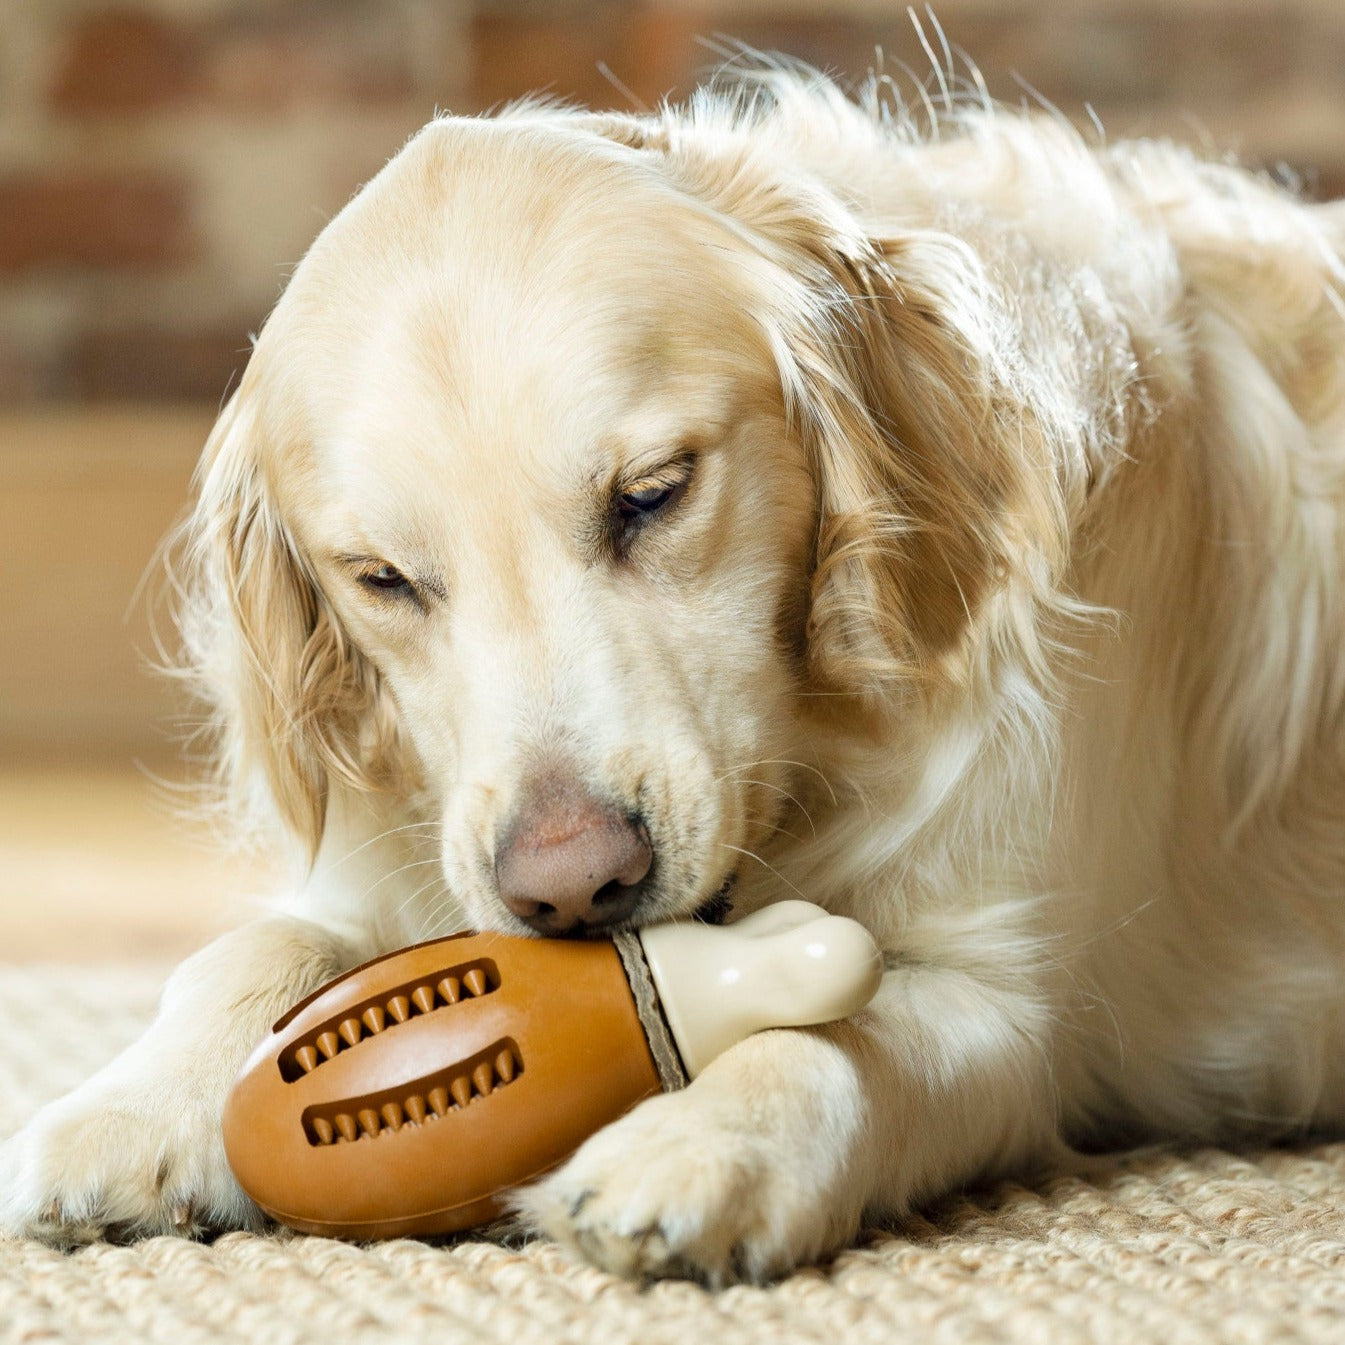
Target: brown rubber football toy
408	1095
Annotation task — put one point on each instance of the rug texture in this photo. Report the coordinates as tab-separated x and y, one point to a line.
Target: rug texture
1206	1246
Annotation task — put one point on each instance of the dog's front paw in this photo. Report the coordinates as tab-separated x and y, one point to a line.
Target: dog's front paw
120	1157
689	1189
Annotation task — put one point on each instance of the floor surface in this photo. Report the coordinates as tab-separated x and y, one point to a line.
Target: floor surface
1207	1247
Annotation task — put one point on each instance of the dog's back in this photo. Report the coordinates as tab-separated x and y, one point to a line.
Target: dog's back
1179	819
1202	865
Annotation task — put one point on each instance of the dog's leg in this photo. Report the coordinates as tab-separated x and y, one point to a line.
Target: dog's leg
137	1149
774	1154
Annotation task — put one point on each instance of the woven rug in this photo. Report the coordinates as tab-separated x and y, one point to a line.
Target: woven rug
1197	1247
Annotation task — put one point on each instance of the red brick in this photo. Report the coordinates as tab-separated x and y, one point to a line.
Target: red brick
249	59
839	46
328	52
651	53
127	62
1168	56
94	220
157	362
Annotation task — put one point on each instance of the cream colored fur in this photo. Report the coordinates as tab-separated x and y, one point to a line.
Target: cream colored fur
1004	610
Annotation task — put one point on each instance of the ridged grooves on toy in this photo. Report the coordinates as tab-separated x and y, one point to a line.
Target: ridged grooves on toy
340	1033
418	1102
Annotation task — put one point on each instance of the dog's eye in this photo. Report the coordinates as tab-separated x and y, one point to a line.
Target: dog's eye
386	577
644	498
633	507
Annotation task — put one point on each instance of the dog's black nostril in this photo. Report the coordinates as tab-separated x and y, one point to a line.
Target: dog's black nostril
611	904
612	892
609	909
617	902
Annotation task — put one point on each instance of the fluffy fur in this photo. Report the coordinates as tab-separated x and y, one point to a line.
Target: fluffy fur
1002	610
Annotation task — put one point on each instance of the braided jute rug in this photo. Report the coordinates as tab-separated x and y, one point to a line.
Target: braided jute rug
1196	1247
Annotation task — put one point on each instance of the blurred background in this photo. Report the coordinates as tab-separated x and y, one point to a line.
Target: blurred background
163	163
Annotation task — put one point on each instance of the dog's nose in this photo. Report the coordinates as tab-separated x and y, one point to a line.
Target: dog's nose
569	861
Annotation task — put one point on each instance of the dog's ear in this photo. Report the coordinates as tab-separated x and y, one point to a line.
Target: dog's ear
294	704
934	480
933	477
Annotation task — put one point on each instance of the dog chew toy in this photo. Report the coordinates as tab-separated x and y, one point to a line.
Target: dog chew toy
407	1096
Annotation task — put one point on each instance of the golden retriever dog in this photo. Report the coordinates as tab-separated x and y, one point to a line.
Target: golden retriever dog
624	517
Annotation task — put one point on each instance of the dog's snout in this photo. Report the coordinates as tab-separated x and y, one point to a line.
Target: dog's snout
569	861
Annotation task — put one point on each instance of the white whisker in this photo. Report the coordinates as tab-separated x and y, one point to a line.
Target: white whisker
752	854
807	816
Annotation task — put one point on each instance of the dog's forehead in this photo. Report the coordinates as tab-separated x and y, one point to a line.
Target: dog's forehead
513	307
512	228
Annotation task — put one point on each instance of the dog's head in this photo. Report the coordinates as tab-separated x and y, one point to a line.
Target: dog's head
583	463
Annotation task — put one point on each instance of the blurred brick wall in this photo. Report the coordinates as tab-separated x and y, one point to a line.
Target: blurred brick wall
162	162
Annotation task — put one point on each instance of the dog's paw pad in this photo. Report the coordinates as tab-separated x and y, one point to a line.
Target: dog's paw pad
95	1165
666	1193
